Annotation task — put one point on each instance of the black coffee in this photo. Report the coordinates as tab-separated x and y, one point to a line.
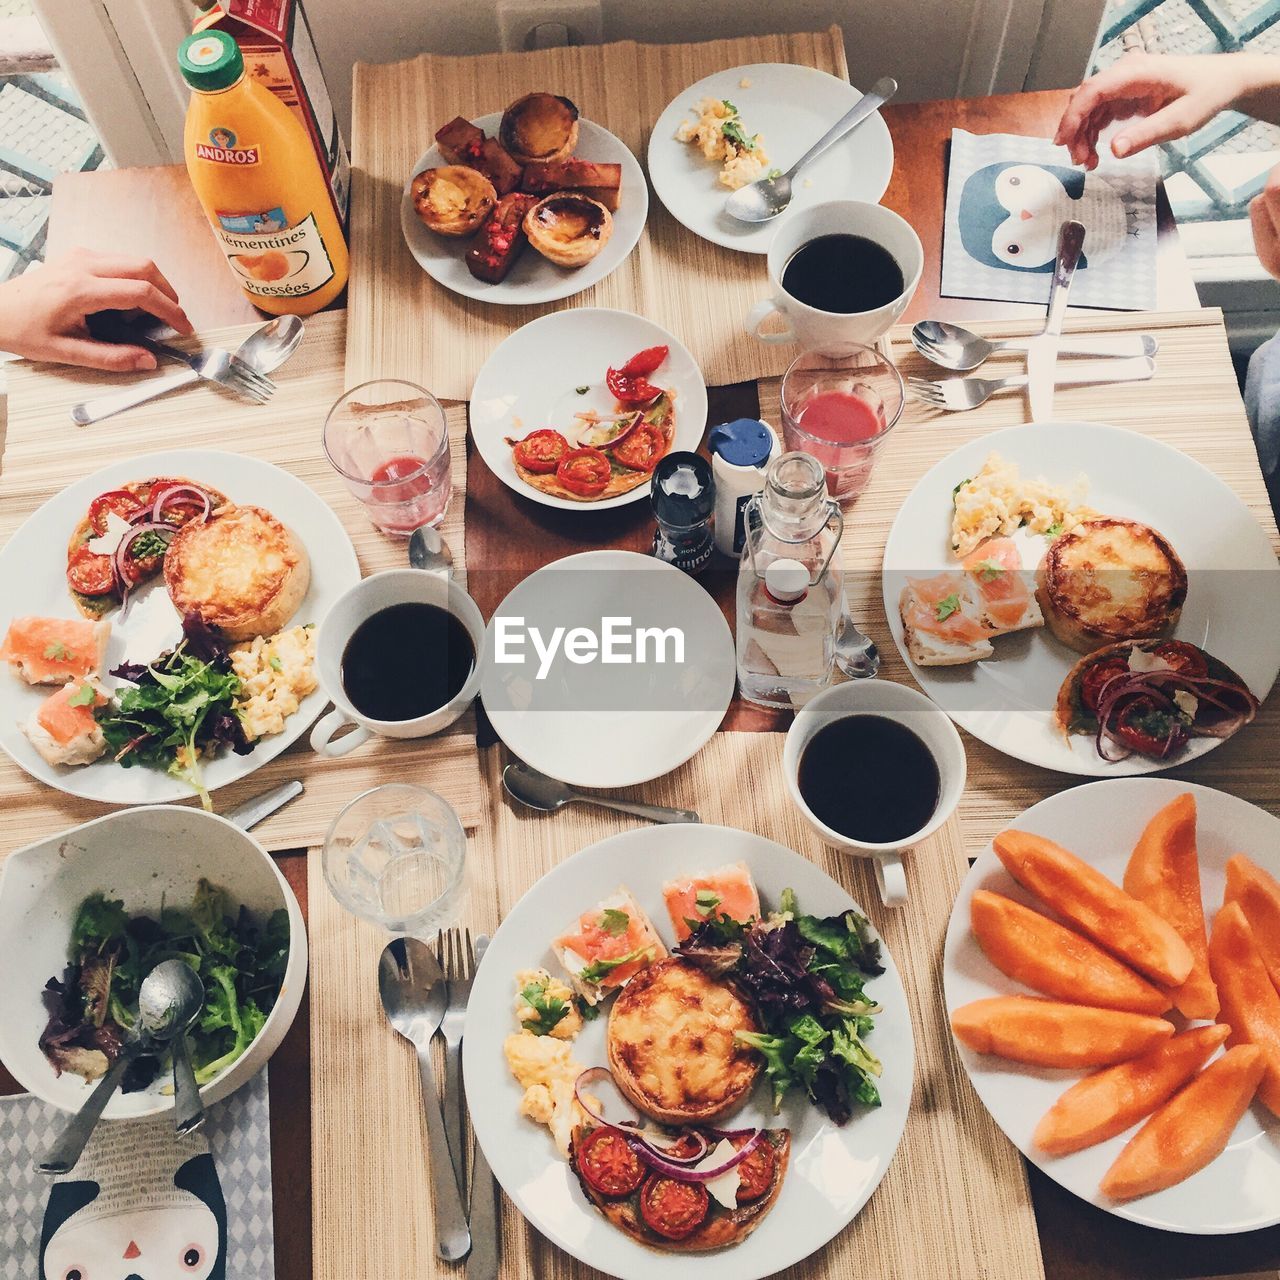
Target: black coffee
844	274
869	778
406	661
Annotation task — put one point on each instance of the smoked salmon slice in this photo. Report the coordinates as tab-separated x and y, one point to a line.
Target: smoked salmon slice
55	650
725	891
995	569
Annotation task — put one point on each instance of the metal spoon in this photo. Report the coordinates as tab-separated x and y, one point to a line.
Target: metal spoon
538	791
169	1001
953	347
429	551
768	197
855	652
70	1144
413	993
265	350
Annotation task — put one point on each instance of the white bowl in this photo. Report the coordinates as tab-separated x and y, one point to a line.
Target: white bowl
144	857
906	707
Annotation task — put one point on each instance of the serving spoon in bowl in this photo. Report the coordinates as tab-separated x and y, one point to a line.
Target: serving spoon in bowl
169	1001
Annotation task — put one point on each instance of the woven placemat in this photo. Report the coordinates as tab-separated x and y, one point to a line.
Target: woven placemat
954	1201
404	324
44	452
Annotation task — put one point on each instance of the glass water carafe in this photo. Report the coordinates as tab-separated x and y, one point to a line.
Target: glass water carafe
790	585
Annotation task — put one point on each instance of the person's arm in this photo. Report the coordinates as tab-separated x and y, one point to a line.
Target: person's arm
43	312
1170	96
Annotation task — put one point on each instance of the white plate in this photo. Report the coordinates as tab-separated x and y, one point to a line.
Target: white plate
33	580
529	381
1101	822
597	725
533	278
791	107
833	1170
1233	597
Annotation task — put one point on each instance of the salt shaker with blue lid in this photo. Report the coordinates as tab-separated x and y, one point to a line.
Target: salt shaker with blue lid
741	451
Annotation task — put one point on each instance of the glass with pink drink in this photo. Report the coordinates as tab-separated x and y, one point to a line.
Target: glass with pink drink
840	409
389	441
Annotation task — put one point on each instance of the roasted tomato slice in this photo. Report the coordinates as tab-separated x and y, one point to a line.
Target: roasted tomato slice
541	451
642	448
631	393
1096	676
181	510
607	1162
90	574
1144	726
643	363
120	501
755	1170
585	472
1184	658
673	1209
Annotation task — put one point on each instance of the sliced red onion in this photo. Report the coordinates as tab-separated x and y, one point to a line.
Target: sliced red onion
598	1075
120	555
682	1173
188	492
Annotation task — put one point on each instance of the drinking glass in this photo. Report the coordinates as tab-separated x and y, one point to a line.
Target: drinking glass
396	856
841	408
389	441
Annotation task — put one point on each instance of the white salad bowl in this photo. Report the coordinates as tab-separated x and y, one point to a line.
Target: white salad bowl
144	857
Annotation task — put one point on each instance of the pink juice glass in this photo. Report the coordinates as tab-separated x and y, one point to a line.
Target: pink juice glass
840	408
389	441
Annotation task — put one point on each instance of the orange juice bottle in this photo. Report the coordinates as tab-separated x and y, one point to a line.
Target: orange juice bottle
256	175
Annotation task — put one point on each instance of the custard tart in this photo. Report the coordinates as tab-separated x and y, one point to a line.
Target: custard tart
567	228
539	127
453	200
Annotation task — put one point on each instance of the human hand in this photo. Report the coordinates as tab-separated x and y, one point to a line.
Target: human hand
43	313
1264	212
1172	96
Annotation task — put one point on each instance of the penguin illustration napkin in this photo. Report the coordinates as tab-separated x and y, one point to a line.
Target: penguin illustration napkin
142	1204
1007	196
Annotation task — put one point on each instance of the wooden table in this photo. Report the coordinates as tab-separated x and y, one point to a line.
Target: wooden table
153	212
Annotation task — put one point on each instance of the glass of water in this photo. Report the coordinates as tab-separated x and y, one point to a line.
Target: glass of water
396	856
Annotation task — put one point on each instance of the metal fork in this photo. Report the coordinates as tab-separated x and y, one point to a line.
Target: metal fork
461	960
216	364
957	394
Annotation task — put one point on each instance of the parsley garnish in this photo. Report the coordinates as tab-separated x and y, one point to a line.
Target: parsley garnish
551	1010
614	922
1054	529
582	390
946	607
84	696
600	969
732	129
989	569
589	1012
961	485
706	902
57	651
274	662
732	109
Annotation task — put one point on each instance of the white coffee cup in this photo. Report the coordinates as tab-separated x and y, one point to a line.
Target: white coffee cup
835	330
906	707
370	596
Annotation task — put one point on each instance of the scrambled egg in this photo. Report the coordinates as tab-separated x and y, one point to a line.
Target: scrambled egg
276	673
719	135
546	1070
536	993
998	501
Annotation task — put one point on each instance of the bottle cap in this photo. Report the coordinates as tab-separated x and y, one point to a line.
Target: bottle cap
744	442
683	493
210	60
786	580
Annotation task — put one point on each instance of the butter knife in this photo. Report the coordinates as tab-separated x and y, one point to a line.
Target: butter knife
250	812
1042	351
482	1263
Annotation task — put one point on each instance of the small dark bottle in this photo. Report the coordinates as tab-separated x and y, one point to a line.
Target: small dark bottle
684	503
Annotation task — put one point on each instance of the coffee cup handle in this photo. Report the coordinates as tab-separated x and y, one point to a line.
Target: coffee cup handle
891	880
758	315
323	741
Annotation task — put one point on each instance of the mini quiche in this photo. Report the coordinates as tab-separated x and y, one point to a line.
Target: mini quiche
242	572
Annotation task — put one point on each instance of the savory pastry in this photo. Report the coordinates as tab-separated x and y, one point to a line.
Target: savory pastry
122	540
242	572
607	946
1110	580
677	1214
63	728
1005	600
726	891
672	1046
998	501
1151	697
453	200
568	229
602	182
942	621
539	127
55	650
460	142
501	239
719	135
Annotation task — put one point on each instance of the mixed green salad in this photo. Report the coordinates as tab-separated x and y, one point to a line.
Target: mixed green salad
93	1006
805	976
